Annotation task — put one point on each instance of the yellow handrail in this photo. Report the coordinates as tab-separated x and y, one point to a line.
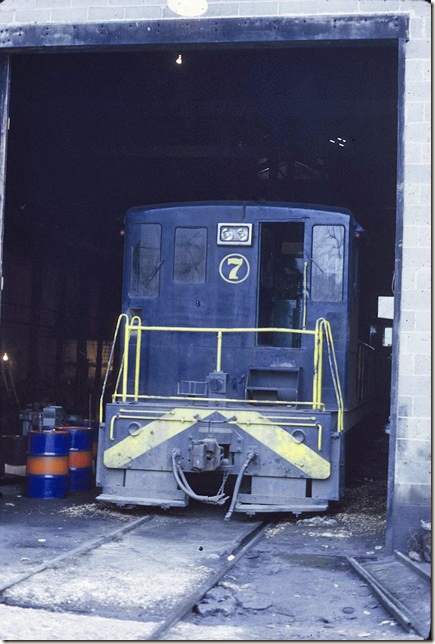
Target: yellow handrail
304	320
109	364
323	327
232	400
138	345
210	329
219	351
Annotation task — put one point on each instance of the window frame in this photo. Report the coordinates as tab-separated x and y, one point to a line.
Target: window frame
135	239
205	249
342	297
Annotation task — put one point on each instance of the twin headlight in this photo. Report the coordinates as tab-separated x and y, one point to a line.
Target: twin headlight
234	234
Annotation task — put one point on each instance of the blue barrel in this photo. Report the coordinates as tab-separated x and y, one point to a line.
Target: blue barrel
80	478
93	425
55	443
47	474
81	437
86	422
47	487
80	458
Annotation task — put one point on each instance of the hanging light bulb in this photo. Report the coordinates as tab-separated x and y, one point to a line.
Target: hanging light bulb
5	357
179	59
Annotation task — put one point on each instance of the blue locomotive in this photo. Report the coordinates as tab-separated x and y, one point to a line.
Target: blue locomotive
241	368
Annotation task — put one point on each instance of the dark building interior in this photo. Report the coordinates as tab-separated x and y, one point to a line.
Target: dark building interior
94	134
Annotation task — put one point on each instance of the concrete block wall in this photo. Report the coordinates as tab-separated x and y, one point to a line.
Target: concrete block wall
410	450
411	447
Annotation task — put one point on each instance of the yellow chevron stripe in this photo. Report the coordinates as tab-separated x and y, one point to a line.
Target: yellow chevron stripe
151	435
277	439
283	444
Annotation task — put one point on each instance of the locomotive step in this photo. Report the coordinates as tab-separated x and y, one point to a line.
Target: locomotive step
295	508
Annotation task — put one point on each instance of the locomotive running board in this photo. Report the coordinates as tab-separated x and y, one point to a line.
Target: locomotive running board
134	500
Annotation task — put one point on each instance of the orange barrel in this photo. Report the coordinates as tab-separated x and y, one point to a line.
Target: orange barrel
47	464
80	458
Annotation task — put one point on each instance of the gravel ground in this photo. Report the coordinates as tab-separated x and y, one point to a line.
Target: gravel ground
30	624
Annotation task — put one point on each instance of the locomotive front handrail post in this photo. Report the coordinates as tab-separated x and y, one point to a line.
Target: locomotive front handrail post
125	370
317	367
219	352
118	379
138	347
319	437
334	372
323	326
112	427
109	364
320	369
304	318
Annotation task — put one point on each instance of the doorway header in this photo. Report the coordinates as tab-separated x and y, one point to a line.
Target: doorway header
200	32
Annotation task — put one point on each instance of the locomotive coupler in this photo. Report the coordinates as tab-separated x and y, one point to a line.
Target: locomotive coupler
205	455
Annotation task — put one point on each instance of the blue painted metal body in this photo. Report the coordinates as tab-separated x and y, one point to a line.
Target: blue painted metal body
169	358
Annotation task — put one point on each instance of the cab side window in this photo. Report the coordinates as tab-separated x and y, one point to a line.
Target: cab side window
146	261
327	264
190	255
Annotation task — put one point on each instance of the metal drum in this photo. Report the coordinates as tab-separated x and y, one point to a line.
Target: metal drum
80	458
93	425
47	464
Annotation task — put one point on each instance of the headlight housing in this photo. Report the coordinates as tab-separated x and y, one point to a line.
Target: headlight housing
234	234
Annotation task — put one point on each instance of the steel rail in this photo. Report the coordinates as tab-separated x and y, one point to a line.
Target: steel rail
412	565
84	547
390	601
186	606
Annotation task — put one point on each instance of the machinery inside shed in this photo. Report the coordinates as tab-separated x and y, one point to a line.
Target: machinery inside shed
92	135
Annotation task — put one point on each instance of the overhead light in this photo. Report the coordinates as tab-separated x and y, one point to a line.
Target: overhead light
5	357
234	234
179	59
188	8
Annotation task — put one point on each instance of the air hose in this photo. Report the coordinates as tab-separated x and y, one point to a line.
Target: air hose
217	499
251	455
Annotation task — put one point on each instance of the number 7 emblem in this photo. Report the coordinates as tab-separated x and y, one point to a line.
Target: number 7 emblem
234	268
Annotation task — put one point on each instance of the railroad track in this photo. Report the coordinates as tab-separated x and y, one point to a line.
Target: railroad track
25	590
187	606
204	550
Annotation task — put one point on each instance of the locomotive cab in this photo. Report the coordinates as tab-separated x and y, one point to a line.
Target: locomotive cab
239	357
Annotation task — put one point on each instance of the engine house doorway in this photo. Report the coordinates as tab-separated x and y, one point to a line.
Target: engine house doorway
309	123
